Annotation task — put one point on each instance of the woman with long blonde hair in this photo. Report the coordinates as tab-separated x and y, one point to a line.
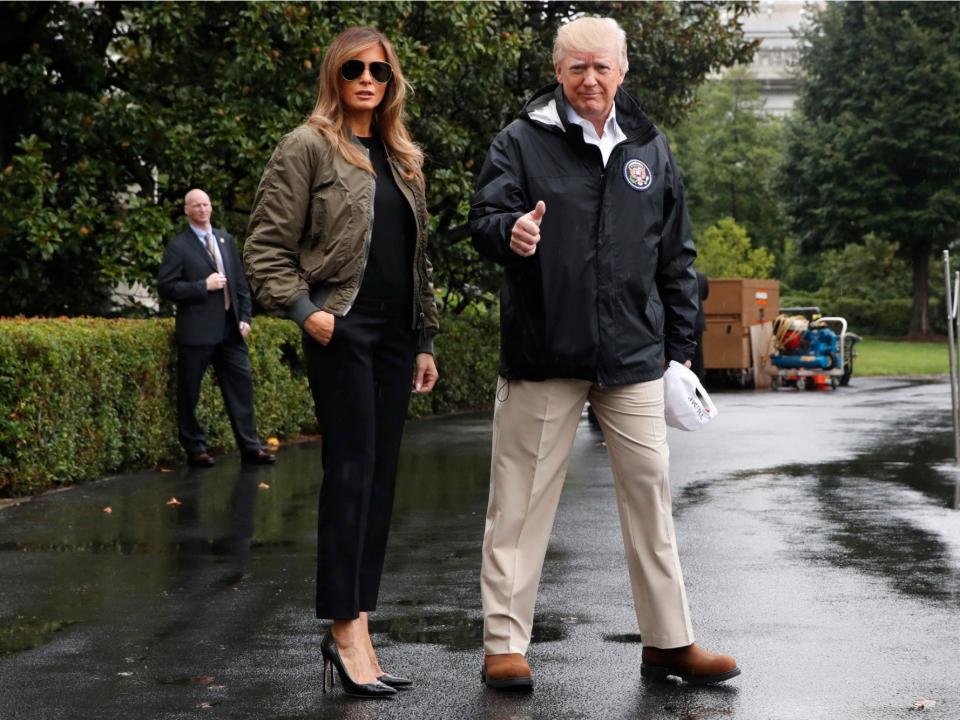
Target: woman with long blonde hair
337	243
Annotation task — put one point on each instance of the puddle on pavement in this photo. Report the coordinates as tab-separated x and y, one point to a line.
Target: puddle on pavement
121	547
102	550
874	504
632	638
461	632
228	526
695	493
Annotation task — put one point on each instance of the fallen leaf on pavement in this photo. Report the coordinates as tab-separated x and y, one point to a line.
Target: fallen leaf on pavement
923	704
263	486
173	501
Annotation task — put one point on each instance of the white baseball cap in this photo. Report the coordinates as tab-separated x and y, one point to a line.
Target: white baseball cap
686	405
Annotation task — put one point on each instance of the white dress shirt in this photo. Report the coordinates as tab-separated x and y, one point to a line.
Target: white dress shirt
612	134
201	236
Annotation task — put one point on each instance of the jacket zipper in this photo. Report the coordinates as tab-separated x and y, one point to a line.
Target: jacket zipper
604	171
603	185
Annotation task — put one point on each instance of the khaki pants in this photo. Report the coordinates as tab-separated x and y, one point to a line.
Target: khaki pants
534	425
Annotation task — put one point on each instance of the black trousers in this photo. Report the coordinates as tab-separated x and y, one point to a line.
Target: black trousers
361	387
231	363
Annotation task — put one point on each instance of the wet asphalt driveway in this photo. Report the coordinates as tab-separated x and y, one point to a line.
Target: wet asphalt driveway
816	532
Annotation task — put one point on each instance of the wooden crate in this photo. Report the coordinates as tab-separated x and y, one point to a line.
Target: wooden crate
733	307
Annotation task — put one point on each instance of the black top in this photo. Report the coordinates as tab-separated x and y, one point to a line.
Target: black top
388	278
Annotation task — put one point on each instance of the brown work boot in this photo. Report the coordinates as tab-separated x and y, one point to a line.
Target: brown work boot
692	664
509	670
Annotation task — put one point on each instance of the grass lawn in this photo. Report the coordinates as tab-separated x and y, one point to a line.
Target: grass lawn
894	357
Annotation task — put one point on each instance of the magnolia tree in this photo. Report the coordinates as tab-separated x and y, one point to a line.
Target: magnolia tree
113	110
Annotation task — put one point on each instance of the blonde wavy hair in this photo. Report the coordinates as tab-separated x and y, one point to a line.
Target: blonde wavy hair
330	119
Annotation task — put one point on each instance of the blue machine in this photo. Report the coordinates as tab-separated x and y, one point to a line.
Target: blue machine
818	349
806	352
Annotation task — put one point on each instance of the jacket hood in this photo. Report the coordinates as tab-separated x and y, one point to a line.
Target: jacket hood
547	108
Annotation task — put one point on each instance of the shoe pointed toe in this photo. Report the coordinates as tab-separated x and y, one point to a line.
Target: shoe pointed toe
395	681
374	690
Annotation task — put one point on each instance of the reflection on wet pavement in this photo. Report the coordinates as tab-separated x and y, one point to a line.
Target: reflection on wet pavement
861	503
25	633
806	523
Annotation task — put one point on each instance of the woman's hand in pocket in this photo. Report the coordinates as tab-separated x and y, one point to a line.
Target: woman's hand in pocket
319	326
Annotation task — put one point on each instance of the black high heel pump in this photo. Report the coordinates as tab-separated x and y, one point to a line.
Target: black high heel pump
394	681
331	660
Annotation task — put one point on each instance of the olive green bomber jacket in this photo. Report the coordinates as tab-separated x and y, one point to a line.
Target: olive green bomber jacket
309	234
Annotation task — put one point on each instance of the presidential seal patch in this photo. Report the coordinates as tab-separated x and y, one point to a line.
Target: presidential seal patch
637	175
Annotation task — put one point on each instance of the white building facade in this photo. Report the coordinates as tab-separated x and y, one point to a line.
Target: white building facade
775	63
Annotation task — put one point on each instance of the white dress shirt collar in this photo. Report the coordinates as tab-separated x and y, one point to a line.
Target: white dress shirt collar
612	134
201	236
200	233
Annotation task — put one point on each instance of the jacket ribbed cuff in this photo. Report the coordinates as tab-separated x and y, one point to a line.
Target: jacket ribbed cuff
301	309
426	344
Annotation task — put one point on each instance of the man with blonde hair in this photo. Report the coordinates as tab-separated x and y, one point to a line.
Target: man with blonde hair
582	204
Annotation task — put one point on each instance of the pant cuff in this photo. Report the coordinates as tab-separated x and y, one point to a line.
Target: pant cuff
503	650
666	642
341	615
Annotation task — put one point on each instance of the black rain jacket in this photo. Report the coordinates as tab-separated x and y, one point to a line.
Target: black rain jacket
611	288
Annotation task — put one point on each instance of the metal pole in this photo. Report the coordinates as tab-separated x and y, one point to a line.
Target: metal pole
955	314
956	411
951	317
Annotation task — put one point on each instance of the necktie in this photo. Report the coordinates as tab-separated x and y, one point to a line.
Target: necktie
218	261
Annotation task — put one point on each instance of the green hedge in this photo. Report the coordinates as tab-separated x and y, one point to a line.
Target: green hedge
466	353
82	398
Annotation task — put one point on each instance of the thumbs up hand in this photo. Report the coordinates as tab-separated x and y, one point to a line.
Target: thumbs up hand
526	231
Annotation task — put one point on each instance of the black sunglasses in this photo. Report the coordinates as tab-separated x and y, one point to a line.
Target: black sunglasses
352	69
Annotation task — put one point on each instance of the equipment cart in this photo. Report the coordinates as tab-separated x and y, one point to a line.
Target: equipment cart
809	351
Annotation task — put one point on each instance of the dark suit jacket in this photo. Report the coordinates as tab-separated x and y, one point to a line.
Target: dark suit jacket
183	279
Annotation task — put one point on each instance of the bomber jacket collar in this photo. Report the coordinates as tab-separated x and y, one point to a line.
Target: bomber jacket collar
547	108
